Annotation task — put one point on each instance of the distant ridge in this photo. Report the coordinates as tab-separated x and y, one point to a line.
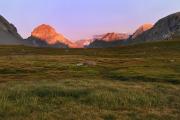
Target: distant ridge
108	40
109	37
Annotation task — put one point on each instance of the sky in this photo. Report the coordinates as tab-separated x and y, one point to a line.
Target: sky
81	19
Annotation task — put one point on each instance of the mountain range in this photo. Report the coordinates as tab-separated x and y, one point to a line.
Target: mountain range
46	36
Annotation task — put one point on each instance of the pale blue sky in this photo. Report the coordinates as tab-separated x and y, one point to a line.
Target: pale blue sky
78	19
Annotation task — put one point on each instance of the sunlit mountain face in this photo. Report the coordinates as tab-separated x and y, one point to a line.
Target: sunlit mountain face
109	37
114	36
48	34
142	29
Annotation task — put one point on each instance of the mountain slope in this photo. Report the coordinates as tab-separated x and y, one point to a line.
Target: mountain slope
164	29
141	30
8	33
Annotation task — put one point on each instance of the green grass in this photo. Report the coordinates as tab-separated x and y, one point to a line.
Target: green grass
128	83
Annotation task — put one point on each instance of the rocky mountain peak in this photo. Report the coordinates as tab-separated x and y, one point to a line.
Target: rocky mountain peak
142	29
48	34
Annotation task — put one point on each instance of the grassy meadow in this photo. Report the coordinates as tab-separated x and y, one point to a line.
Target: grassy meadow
139	82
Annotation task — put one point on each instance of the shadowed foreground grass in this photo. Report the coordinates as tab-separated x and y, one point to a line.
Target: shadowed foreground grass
127	83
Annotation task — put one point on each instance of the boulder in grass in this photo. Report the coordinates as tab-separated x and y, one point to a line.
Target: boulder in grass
87	63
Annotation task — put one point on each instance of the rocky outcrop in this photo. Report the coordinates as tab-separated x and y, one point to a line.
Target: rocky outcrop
8	33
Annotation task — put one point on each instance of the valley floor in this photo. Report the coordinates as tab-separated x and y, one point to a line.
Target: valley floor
140	82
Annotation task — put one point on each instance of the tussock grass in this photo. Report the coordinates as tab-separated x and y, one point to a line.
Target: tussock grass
127	83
